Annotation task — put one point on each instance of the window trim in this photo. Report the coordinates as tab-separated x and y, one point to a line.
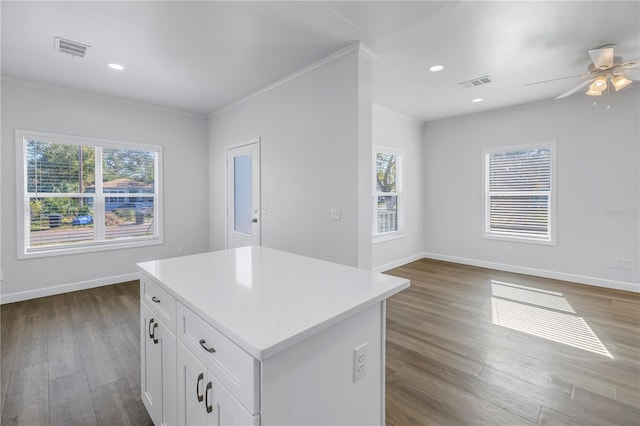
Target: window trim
399	193
551	144
22	201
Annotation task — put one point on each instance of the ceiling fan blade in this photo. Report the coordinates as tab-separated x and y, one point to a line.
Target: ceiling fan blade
634	63
555	79
575	89
631	74
602	58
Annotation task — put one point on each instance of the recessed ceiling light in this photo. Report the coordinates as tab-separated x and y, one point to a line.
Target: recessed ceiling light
476	100
436	68
116	66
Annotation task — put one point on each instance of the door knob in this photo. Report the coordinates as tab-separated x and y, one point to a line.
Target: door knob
254	220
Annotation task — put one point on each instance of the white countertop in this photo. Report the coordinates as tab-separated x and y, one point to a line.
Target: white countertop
266	300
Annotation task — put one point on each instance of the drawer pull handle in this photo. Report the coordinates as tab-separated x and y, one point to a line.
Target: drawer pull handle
151	321
198	394
204	346
155	299
206	394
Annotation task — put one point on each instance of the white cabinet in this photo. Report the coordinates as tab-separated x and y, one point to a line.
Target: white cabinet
238	371
202	399
158	360
256	336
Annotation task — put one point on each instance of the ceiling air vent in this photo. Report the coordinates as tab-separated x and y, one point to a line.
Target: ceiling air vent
71	47
476	82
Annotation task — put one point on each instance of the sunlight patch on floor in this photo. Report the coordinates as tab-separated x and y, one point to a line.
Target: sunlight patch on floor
544	314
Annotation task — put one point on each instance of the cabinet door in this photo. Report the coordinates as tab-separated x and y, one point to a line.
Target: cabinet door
151	365
158	372
226	410
192	382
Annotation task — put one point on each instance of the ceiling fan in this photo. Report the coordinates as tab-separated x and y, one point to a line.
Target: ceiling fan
605	67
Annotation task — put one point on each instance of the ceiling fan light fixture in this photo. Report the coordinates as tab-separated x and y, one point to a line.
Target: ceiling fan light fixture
593	92
599	85
600	82
620	82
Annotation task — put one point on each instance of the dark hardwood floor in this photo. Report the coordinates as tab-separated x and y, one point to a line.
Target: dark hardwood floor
465	345
73	359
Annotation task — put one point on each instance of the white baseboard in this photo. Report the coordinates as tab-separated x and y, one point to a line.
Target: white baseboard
397	263
65	288
581	279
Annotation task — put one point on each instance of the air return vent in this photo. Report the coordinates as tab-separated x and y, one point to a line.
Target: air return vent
71	47
476	82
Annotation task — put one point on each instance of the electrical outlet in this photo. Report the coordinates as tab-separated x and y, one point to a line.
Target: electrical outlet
625	263
360	362
1	274
614	262
335	213
508	250
180	251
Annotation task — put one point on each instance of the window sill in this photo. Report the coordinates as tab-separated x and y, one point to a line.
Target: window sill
83	249
387	237
525	240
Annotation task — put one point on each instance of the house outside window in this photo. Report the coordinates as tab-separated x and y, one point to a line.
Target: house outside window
78	195
388	202
519	194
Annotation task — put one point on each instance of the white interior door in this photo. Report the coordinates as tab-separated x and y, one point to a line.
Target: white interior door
243	195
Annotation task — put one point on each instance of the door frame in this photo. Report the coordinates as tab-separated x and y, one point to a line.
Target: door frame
257	142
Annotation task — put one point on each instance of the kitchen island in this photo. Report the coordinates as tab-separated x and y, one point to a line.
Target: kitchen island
260	336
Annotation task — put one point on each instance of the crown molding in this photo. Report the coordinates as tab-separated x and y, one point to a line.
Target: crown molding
357	46
398	114
367	52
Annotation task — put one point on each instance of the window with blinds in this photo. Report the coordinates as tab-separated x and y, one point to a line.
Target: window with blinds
519	193
387	197
81	194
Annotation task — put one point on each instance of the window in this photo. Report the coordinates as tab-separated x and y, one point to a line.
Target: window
388	198
66	188
519	195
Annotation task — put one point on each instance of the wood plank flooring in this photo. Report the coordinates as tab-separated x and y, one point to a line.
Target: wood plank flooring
468	345
463	347
73	359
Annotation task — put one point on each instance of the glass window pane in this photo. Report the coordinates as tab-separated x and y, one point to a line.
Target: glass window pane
242	194
53	167
131	219
385	172
60	220
128	170
387	214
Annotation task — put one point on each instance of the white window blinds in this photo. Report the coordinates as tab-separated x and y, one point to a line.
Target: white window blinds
80	194
519	193
387	196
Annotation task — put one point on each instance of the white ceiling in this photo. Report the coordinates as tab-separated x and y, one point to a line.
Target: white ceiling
202	56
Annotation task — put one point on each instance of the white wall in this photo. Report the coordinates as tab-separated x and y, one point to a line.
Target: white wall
396	131
309	161
597	172
33	106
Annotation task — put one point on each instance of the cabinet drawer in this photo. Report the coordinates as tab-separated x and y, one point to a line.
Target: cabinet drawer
159	301
238	371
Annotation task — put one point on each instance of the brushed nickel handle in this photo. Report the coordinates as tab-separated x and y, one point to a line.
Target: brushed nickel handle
203	343
155	299
200	378
206	395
